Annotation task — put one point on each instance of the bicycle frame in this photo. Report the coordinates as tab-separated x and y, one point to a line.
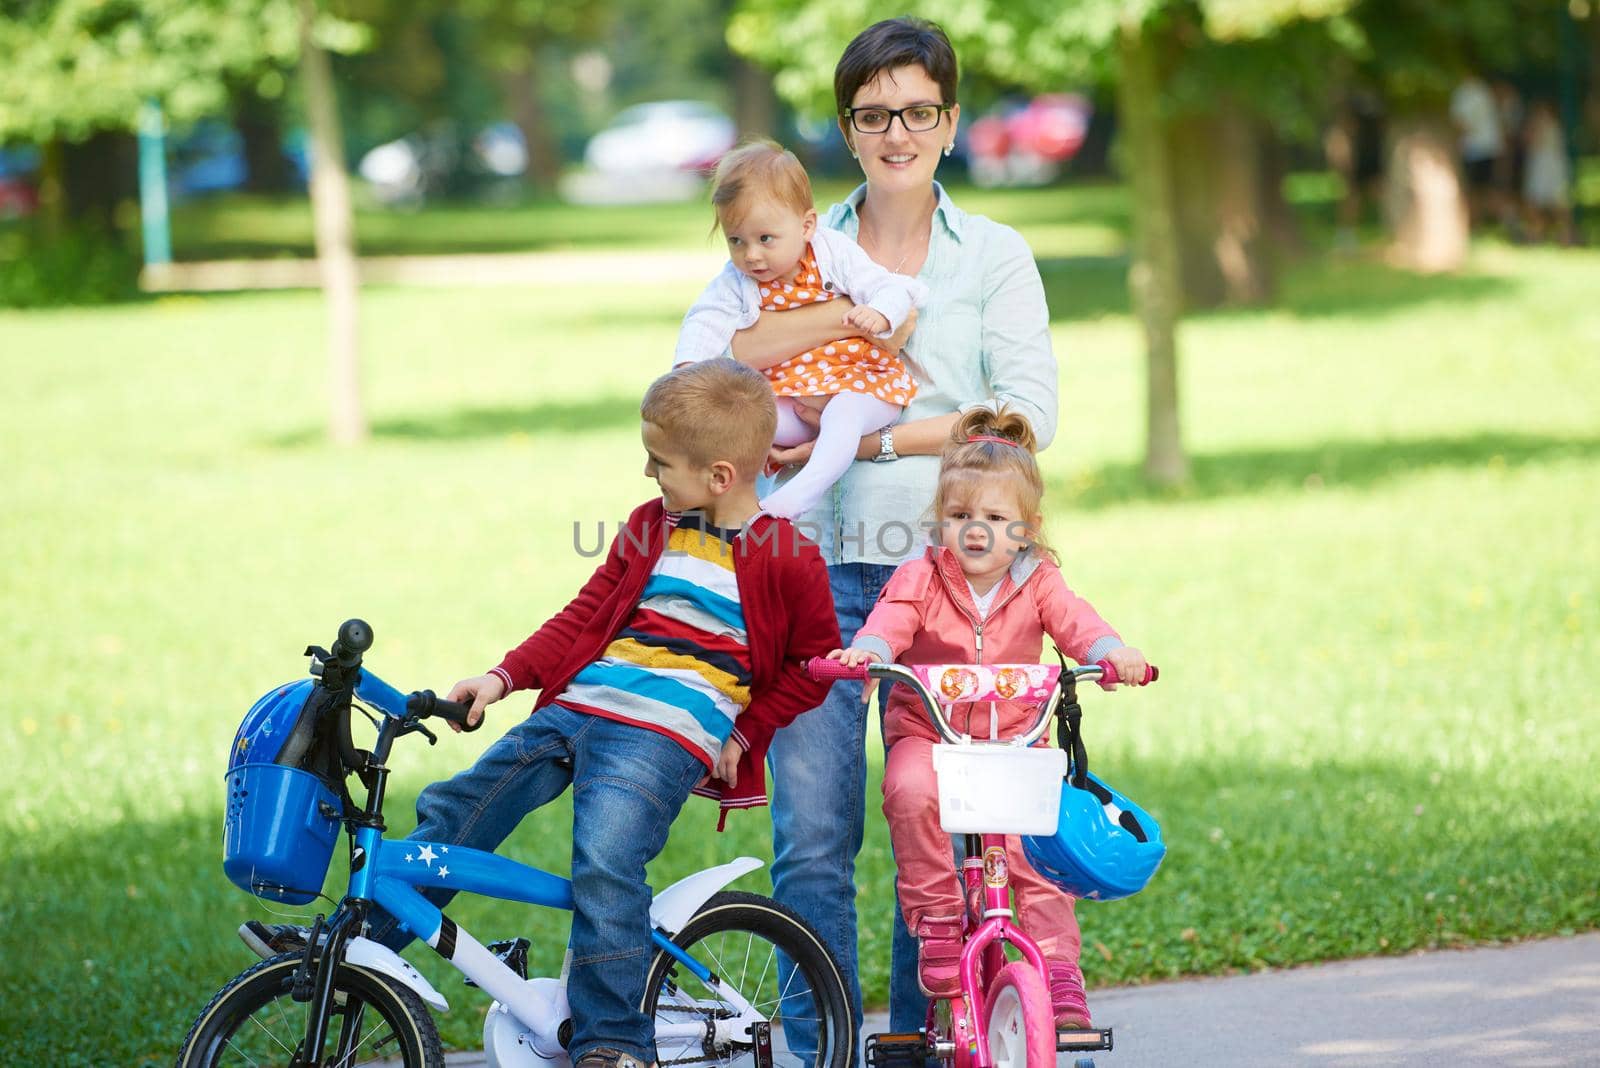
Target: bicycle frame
986	877
387	873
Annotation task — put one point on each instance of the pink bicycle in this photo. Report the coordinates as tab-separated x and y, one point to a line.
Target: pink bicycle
1002	1016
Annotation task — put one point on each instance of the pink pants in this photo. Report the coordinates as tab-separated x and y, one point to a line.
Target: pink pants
927	881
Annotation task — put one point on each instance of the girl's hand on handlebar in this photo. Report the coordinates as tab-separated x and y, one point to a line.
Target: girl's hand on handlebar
1130	664
480	691
855	658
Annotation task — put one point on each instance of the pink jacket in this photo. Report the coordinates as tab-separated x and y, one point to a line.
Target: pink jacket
926	615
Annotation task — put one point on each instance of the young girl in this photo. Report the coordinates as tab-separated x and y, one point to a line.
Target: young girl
779	260
987	590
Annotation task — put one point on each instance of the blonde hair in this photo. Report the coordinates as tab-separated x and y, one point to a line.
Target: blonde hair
716	409
754	170
965	464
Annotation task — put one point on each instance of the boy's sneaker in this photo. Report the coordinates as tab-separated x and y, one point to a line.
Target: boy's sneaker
606	1057
1067	996
271	939
939	956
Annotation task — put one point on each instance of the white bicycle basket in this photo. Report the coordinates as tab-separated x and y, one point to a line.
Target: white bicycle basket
999	789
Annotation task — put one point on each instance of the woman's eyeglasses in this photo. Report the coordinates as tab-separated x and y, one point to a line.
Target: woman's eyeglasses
919	118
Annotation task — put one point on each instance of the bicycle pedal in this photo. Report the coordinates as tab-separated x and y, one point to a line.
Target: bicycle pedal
906	1050
1083	1040
513	953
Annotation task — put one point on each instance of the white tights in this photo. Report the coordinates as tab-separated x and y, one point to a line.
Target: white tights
845	419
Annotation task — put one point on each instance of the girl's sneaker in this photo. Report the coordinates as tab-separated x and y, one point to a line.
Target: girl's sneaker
939	956
1067	996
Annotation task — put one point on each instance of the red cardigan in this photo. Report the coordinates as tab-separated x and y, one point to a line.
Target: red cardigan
788	615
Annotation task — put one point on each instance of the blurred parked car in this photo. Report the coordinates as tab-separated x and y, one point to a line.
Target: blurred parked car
19	191
434	161
207	159
681	135
1027	143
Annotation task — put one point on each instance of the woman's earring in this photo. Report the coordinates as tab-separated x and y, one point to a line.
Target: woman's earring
951	147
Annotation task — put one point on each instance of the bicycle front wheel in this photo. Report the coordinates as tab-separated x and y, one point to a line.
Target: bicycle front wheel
1021	1028
254	1020
740	937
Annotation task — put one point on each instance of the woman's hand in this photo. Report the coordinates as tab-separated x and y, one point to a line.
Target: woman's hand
480	691
1130	664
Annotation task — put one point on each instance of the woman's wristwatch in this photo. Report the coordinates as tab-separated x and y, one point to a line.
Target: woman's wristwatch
886	446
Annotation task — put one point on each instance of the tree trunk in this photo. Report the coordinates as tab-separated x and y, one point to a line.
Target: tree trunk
335	235
260	127
1280	225
755	101
1221	196
1153	278
528	111
1423	201
1192	139
98	176
52	189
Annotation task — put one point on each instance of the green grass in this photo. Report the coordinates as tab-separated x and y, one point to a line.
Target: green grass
1377	609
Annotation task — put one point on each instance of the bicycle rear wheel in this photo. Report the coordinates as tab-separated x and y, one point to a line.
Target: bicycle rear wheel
254	1020
739	936
1021	1028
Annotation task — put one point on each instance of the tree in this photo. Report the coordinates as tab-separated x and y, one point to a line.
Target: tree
519	38
335	234
77	72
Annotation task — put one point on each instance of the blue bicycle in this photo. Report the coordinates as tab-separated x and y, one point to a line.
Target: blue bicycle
735	978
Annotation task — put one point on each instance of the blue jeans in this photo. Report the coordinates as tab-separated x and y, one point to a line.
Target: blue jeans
819	784
628	784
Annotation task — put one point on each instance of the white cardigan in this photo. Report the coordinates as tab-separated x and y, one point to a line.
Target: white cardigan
733	300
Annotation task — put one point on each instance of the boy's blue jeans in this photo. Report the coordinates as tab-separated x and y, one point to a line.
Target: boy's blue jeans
628	784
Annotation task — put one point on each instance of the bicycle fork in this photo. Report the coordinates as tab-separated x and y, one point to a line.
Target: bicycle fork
314	982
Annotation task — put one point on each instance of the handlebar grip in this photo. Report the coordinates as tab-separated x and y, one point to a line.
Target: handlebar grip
824	670
1109	678
427	703
355	638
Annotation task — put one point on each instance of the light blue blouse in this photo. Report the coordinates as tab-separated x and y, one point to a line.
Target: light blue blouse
982	338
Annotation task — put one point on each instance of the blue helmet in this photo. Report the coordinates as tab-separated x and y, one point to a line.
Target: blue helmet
268	726
1105	846
285	796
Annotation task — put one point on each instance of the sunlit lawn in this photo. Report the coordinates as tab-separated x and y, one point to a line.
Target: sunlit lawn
1377	611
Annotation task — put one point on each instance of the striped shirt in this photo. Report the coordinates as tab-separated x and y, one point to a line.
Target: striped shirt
681	664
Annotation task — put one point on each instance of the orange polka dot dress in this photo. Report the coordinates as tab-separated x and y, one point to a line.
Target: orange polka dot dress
849	365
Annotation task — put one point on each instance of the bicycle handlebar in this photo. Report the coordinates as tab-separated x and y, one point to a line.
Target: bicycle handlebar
1104	673
426	703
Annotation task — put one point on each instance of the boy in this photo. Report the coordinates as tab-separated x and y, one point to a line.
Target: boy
666	675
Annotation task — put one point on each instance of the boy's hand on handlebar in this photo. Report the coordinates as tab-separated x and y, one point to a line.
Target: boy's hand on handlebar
728	762
480	691
1130	664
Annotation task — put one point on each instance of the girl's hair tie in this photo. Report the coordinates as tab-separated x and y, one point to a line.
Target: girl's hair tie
991	437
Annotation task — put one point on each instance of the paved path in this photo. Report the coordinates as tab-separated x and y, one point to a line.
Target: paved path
569	267
1535	1005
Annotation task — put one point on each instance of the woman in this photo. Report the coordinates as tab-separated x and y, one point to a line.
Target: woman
982	338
